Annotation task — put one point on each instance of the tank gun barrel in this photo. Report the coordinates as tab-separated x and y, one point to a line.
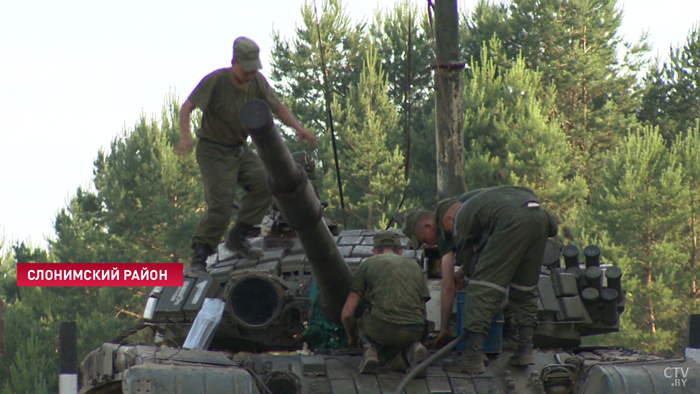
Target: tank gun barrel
301	208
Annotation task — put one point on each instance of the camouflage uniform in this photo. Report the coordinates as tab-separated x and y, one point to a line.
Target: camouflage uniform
398	290
509	230
223	155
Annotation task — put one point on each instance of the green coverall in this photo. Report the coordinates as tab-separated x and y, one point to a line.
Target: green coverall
224	158
510	231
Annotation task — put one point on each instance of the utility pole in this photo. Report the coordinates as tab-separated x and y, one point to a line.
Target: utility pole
449	119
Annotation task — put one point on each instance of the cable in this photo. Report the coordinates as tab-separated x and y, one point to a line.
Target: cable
419	368
327	95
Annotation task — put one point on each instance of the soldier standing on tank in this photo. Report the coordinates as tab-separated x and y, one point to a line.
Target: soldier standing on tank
223	155
499	239
394	322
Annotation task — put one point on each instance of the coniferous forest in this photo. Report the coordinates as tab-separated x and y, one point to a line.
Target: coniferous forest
554	100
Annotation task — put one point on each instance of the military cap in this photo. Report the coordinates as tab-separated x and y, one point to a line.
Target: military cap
410	220
246	53
387	238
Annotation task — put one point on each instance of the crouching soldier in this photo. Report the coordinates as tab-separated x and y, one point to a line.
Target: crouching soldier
393	325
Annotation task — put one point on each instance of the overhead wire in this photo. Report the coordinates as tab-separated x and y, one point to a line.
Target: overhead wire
327	95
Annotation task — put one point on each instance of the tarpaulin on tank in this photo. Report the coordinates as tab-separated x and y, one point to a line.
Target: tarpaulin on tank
187	379
673	376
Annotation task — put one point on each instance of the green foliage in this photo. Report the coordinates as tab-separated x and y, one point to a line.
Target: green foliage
389	33
373	167
298	75
640	213
297	62
515	136
574	45
28	374
144	208
146	204
685	278
671	99
9	291
32	323
28	254
82	235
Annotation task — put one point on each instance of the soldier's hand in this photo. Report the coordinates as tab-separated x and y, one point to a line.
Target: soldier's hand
353	342
304	136
459	280
443	338
185	146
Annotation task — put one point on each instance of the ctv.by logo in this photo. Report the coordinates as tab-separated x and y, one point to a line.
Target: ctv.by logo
678	374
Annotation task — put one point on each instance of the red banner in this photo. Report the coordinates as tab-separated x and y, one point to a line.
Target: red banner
99	274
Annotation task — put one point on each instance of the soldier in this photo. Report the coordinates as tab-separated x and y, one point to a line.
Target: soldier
500	236
395	317
499	240
223	155
422	228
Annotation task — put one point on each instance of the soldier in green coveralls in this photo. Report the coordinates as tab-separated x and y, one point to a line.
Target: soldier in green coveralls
499	239
223	155
422	228
395	318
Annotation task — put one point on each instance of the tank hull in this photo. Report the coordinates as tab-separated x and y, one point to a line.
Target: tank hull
133	369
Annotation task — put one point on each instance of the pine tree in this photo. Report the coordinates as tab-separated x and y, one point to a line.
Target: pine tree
638	215
82	235
33	314
298	76
373	167
686	276
574	45
389	33
144	209
146	203
29	371
513	137
297	67
671	99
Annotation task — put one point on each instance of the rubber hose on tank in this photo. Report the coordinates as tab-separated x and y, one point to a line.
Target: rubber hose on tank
420	367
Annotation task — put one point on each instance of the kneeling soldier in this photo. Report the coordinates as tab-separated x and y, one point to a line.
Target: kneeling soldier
394	322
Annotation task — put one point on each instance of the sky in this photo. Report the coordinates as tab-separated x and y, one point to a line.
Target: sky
75	73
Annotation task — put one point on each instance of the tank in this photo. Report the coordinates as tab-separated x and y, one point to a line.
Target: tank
279	333
271	325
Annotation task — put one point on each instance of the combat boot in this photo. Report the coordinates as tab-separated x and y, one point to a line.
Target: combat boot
416	354
370	359
524	356
472	361
237	241
201	252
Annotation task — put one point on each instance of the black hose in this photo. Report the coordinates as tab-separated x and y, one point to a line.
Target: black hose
420	367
